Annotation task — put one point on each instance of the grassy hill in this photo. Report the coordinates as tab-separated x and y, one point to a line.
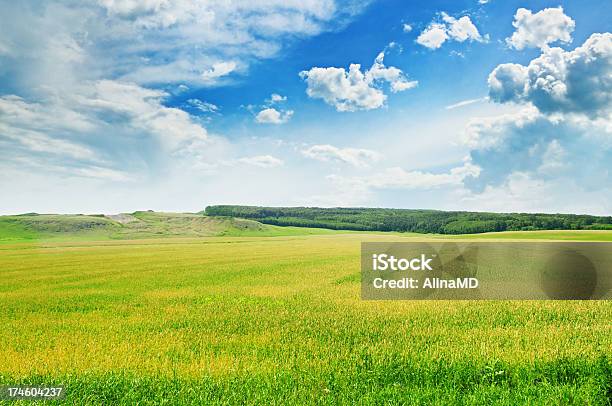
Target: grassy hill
140	224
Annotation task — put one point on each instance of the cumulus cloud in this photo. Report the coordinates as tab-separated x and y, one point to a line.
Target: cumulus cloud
558	81
355	90
540	29
270	113
392	75
353	156
433	36
461	29
346	91
542	146
507	82
484	133
262	161
406	27
559	143
450	28
272	116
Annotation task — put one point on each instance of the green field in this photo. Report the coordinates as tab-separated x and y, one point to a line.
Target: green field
269	315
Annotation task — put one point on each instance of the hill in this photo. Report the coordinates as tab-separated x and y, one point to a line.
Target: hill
140	224
247	221
406	220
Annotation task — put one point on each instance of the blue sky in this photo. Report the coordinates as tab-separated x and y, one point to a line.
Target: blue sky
117	105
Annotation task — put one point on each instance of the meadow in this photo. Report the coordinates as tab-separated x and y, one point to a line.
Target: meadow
238	318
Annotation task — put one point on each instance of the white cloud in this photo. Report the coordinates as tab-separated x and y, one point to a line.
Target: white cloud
268	17
561	147
433	36
91	172
158	41
37	142
180	89
520	192
101	173
42	116
398	178
218	70
553	158
203	106
272	116
143	110
406	27
561	81
191	33
540	29
449	28
27	124
524	192
353	156
262	161
507	82
276	98
347	91
81	127
461	29
355	90
392	75
482	133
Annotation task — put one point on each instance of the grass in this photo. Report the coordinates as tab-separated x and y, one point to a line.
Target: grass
137	225
278	320
556	235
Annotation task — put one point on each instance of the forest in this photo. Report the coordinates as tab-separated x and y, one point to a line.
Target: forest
411	220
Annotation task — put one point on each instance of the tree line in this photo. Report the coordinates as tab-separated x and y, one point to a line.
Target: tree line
409	220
